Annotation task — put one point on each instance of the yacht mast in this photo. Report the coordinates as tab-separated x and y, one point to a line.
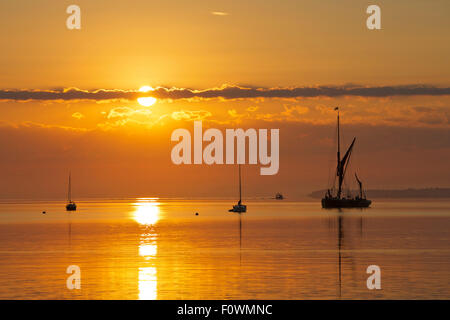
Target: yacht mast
69	191
240	188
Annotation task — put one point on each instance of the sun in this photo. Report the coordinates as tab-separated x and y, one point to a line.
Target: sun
146	101
146	89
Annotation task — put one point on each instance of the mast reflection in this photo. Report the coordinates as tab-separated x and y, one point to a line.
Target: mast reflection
341	246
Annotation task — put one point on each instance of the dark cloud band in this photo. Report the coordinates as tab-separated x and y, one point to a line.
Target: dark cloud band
67	94
226	92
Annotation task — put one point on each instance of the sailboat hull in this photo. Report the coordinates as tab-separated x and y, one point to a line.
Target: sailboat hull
345	203
71	207
239	208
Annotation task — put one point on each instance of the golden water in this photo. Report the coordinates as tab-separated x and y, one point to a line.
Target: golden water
159	249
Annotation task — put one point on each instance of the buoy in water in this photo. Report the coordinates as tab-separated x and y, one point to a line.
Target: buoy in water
43	212
196	213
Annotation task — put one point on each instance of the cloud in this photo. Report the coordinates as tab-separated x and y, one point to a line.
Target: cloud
122	112
288	114
432	115
34	125
237	92
219	13
69	94
191	115
77	115
124	116
227	92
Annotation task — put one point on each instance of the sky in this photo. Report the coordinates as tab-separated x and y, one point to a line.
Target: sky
69	97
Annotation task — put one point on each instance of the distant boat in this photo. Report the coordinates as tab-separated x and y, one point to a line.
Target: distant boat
279	196
334	198
240	208
71	206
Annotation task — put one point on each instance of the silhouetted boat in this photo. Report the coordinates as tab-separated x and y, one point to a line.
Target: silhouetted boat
70	206
279	196
239	207
333	198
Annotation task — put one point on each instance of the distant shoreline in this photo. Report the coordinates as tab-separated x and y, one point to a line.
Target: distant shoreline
410	193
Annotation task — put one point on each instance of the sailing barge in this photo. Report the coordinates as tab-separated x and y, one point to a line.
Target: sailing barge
334	197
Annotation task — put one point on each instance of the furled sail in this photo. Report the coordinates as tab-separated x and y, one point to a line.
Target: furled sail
360	186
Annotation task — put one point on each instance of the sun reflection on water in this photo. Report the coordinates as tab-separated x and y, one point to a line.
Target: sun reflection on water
148	283
147	213
147	250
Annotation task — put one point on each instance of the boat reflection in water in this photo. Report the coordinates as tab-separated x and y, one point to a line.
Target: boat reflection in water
147	214
340	226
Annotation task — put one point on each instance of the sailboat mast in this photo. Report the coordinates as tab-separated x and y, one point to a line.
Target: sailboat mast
338	139
240	188
339	169
69	191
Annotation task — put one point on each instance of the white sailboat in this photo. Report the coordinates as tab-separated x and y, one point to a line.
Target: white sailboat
239	208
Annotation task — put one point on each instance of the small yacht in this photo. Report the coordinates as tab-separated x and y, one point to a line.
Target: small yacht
70	206
279	196
239	208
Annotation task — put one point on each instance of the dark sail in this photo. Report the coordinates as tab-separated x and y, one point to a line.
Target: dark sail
342	166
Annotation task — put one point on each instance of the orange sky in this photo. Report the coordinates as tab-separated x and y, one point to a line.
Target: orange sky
116	147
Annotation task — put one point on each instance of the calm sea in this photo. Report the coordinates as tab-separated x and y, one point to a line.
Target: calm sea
159	249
